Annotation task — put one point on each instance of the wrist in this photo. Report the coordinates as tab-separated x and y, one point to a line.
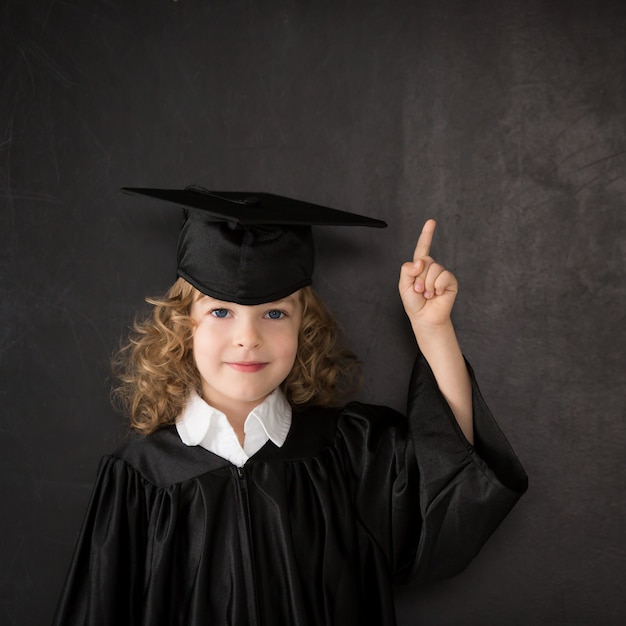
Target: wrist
428	330
435	340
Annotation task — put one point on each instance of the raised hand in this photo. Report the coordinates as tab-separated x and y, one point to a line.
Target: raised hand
427	289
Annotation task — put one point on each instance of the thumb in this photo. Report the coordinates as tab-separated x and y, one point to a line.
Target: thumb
408	273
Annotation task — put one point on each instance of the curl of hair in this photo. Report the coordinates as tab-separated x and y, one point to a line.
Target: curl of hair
156	368
324	370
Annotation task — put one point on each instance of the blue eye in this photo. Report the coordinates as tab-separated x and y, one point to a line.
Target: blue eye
219	313
275	314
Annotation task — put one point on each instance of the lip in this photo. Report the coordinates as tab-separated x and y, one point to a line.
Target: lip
248	367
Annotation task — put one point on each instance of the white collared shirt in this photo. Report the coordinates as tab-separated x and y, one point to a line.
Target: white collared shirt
200	424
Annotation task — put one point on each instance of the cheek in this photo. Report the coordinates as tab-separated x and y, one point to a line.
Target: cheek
289	346
204	345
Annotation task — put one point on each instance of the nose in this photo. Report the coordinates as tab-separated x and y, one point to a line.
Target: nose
248	334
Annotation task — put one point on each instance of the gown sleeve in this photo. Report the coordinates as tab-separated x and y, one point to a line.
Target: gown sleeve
428	499
465	491
108	565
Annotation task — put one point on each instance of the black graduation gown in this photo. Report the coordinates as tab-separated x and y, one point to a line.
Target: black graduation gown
313	533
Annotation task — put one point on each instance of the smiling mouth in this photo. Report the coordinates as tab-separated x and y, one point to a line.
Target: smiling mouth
247	367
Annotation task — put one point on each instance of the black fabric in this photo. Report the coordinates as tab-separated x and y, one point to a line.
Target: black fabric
313	533
244	265
248	248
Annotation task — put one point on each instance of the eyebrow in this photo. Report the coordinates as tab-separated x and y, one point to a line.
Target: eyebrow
290	299
286	299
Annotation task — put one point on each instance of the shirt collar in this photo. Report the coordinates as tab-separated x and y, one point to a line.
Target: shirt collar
273	414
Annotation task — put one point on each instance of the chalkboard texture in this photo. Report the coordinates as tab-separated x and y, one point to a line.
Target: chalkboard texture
505	120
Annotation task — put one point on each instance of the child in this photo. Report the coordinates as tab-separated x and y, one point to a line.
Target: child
249	497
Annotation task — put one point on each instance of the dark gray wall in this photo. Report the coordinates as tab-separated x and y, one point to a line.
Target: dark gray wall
503	119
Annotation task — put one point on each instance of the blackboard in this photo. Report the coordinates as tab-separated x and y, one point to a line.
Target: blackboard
504	120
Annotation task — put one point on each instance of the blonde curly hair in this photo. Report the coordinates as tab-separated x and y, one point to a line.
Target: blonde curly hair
156	368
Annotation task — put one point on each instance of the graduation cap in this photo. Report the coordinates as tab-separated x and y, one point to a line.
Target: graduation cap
248	248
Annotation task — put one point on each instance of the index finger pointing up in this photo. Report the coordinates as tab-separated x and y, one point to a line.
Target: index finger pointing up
422	248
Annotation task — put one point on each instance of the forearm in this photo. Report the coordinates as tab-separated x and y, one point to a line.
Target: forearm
441	349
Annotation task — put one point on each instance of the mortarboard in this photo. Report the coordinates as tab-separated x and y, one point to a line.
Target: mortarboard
248	248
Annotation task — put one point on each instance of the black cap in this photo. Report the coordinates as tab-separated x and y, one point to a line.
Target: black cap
248	248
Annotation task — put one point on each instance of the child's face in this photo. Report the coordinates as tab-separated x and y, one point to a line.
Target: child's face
244	352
